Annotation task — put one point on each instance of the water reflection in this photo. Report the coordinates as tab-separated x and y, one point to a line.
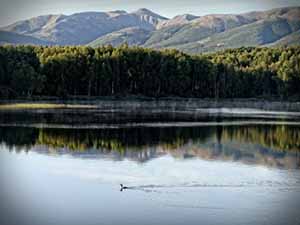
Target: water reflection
269	145
174	175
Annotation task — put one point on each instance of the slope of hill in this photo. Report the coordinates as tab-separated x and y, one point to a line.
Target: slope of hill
143	27
198	29
15	39
131	36
180	19
259	33
34	24
292	39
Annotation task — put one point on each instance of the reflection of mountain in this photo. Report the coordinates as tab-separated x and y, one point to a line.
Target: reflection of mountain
274	145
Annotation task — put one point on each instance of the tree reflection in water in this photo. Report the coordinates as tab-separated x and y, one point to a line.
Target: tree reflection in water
271	145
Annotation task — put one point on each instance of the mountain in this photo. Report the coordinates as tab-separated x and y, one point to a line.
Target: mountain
15	39
258	33
177	20
220	28
82	28
194	30
131	36
189	33
291	39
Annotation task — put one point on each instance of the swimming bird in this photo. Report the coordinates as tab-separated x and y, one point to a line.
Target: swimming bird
122	187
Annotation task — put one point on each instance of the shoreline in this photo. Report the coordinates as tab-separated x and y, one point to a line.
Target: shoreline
132	104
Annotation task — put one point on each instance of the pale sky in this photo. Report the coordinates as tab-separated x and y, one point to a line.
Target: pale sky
14	10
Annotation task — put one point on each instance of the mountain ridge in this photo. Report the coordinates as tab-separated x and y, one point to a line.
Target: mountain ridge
186	32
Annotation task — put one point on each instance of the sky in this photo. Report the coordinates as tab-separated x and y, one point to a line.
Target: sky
14	10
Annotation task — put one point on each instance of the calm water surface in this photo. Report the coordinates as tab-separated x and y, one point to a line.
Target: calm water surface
211	172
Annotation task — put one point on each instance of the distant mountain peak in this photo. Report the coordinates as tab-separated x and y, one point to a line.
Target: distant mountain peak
187	16
144	11
177	20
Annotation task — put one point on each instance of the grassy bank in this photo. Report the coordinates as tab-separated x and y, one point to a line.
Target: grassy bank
184	104
31	105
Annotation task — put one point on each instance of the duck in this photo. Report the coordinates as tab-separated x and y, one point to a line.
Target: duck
122	187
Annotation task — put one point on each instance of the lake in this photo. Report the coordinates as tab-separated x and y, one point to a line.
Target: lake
209	168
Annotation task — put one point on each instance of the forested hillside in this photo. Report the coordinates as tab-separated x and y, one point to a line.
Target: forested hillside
27	71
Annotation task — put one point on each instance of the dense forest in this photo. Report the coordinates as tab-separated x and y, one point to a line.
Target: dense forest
27	71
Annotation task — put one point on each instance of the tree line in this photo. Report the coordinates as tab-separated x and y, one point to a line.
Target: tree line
69	71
